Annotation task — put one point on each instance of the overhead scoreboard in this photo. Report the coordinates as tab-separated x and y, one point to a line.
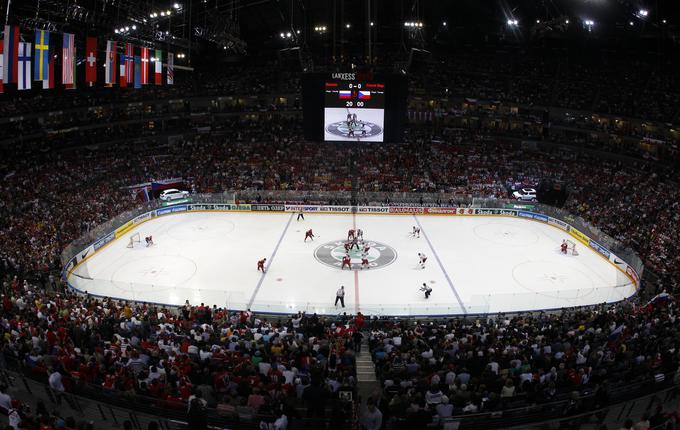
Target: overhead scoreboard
354	107
354	111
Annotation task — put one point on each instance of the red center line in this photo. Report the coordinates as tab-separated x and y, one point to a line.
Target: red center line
356	273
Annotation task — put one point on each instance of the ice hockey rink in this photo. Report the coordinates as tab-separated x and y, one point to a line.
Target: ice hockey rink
475	265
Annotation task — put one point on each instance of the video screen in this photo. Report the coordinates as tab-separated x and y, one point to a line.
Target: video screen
354	111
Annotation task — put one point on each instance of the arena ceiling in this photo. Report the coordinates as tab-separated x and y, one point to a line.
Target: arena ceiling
245	26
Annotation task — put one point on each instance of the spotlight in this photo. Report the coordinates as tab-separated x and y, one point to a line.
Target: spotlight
566	21
151	15
643	12
538	21
348	25
631	23
372	24
282	35
134	27
444	23
162	13
167	12
127	28
513	23
663	21
115	31
176	5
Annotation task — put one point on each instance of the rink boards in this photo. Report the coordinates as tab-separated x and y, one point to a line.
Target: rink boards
479	260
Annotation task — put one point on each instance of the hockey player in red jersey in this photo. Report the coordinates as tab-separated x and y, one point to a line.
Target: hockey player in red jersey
346	261
350	234
564	246
309	235
367	248
347	245
260	265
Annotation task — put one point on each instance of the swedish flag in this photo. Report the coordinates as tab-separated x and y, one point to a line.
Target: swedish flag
42	55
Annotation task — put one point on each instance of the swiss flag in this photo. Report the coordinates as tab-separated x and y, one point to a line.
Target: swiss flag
91	60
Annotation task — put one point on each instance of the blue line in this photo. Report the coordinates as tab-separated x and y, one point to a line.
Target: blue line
269	263
441	266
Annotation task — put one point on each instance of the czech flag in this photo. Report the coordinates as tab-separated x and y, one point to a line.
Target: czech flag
345	94
365	95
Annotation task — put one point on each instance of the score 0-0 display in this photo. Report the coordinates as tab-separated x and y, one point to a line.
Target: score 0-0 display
354	111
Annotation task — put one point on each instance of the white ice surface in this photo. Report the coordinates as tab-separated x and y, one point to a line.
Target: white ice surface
475	264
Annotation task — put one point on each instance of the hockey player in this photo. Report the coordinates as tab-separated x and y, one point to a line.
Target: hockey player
301	216
564	246
360	234
149	240
364	261
347	245
367	248
260	265
423	259
350	234
309	234
346	261
416	231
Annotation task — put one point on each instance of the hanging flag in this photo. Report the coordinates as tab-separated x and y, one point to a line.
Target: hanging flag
10	60
73	71
24	81
138	72
129	62
2	68
91	60
48	83
68	53
110	65
171	68
42	55
158	67
123	69
145	66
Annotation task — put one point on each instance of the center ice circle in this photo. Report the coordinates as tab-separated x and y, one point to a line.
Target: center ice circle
379	255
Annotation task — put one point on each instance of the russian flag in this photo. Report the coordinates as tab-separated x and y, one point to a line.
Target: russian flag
10	60
345	94
365	95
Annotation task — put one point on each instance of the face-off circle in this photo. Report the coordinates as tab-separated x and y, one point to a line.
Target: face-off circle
379	254
359	129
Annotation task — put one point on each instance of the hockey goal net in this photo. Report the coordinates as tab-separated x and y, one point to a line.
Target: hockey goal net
135	238
571	247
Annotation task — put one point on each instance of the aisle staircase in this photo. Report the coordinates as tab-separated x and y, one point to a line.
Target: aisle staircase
367	383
